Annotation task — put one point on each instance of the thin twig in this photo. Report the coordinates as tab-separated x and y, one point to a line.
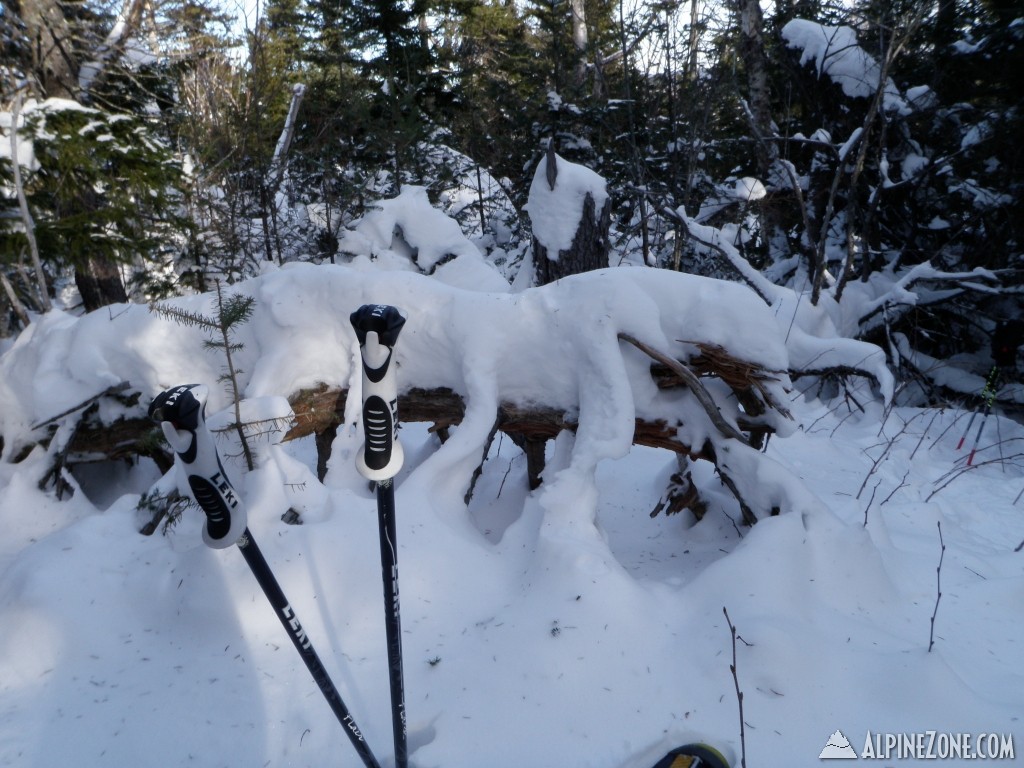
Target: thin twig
959	414
739	693
903	484
953	474
873	490
924	434
938	585
111	390
885	453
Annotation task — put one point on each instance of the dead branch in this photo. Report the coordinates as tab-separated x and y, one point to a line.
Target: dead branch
320	410
689	378
111	390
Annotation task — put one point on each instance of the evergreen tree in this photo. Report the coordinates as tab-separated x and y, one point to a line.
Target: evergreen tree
105	191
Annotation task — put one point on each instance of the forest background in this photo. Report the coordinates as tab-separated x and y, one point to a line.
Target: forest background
810	145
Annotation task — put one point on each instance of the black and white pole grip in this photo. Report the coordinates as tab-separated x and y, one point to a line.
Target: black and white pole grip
377	327
181	412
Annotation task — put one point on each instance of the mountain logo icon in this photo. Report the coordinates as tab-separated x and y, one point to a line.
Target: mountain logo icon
838	748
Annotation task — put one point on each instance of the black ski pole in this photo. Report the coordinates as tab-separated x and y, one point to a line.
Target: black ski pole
181	413
377	327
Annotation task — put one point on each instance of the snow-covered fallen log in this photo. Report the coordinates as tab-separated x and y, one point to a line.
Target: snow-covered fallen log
547	359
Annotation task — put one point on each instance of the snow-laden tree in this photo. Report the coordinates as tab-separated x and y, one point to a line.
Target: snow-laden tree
103	192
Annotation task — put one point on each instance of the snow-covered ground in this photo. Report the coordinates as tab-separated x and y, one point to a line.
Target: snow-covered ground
558	627
524	645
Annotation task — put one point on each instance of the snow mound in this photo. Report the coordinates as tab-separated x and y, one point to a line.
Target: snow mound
553	622
836	53
556	346
556	212
411	226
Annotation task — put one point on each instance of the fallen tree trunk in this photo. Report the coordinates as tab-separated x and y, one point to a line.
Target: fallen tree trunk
319	411
322	408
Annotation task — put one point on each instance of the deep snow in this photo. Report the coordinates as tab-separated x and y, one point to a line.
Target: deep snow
558	627
526	643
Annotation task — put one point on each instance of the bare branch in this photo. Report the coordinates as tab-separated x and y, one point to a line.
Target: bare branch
692	383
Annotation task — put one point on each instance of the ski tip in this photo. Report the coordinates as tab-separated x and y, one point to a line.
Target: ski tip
693	756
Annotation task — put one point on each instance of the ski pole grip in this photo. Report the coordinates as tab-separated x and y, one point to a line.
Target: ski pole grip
377	327
181	413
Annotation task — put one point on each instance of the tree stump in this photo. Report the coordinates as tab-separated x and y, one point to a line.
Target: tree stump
589	249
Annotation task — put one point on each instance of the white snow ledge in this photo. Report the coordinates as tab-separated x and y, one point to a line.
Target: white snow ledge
555	345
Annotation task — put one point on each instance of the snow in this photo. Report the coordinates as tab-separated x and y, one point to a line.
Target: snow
410	225
555	213
835	52
749	189
913	164
562	626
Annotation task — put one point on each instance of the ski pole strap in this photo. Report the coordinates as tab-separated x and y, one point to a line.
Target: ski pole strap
377	327
181	413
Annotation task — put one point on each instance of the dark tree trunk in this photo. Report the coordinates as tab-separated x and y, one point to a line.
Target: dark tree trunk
589	249
99	283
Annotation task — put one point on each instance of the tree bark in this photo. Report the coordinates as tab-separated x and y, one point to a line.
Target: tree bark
50	47
580	39
755	62
26	215
99	283
589	249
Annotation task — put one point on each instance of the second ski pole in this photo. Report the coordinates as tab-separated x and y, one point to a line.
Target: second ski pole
988	395
180	411
377	327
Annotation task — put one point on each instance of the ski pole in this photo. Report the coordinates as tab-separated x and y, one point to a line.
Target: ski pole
989	387
989	393
970	421
377	327
181	414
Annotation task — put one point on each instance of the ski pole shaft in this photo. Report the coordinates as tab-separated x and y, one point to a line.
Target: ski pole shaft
392	615
181	413
377	327
977	437
970	421
989	393
261	570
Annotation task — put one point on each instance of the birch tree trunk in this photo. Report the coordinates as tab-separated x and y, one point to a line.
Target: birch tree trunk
755	62
128	20
580	40
26	214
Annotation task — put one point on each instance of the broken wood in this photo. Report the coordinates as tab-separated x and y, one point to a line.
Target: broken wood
589	248
689	378
111	390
